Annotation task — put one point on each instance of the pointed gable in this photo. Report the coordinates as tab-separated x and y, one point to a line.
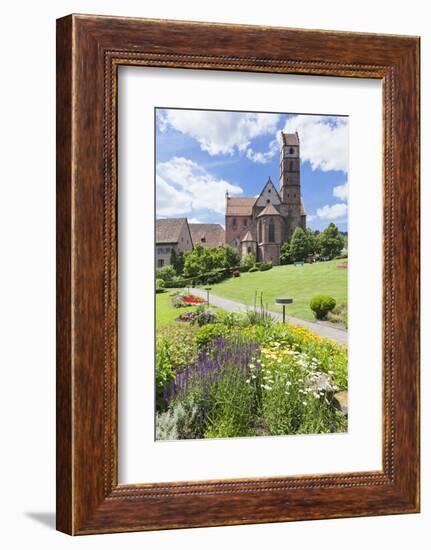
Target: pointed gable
168	230
268	195
290	139
248	237
269	210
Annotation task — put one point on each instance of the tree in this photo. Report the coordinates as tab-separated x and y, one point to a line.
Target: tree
167	272
285	254
177	261
313	241
299	245
204	261
331	242
232	256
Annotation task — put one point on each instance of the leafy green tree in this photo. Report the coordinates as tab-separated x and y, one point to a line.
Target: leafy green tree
177	261
331	242
167	272
299	245
203	260
313	241
285	254
232	256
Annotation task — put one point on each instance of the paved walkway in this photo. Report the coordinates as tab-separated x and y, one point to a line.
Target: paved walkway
321	328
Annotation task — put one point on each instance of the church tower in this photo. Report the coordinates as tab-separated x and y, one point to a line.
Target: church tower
290	181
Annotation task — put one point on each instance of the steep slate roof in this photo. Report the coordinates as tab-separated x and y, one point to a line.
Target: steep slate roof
168	230
290	139
247	237
240	206
213	233
269	210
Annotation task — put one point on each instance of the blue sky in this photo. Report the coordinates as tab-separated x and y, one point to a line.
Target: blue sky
202	154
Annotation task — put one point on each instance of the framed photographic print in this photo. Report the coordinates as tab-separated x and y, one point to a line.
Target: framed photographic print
237	274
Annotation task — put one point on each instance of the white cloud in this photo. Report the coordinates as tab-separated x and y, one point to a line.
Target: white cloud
341	191
323	140
182	186
333	212
264	158
219	132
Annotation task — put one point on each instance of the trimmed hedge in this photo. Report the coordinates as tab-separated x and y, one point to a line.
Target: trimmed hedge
264	266
321	305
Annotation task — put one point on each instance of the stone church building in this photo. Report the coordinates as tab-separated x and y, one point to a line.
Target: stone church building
262	224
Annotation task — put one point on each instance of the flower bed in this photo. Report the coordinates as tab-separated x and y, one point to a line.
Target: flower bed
242	376
191	299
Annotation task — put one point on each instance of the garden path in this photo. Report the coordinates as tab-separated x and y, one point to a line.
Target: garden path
321	328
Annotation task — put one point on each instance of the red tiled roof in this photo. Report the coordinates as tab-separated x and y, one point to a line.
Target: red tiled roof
240	206
207	234
290	139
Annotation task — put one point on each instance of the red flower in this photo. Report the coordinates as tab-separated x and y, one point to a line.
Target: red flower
190	299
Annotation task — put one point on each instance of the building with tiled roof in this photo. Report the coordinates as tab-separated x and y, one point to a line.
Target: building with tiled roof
262	224
207	234
172	234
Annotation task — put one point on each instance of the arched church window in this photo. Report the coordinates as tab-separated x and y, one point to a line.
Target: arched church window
271	232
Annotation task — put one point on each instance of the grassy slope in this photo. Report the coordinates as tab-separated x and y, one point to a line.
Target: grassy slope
165	313
298	282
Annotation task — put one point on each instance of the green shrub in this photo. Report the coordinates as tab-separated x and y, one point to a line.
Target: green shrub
208	333
204	315
177	301
321	305
177	422
167	273
264	266
247	262
231	320
339	314
160	283
176	282
164	365
253	269
215	277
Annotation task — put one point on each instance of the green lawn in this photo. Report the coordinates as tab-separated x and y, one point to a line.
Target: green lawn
298	282
166	314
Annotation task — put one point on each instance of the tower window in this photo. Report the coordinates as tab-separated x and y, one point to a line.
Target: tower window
290	166
245	222
271	232
234	222
267	201
291	151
